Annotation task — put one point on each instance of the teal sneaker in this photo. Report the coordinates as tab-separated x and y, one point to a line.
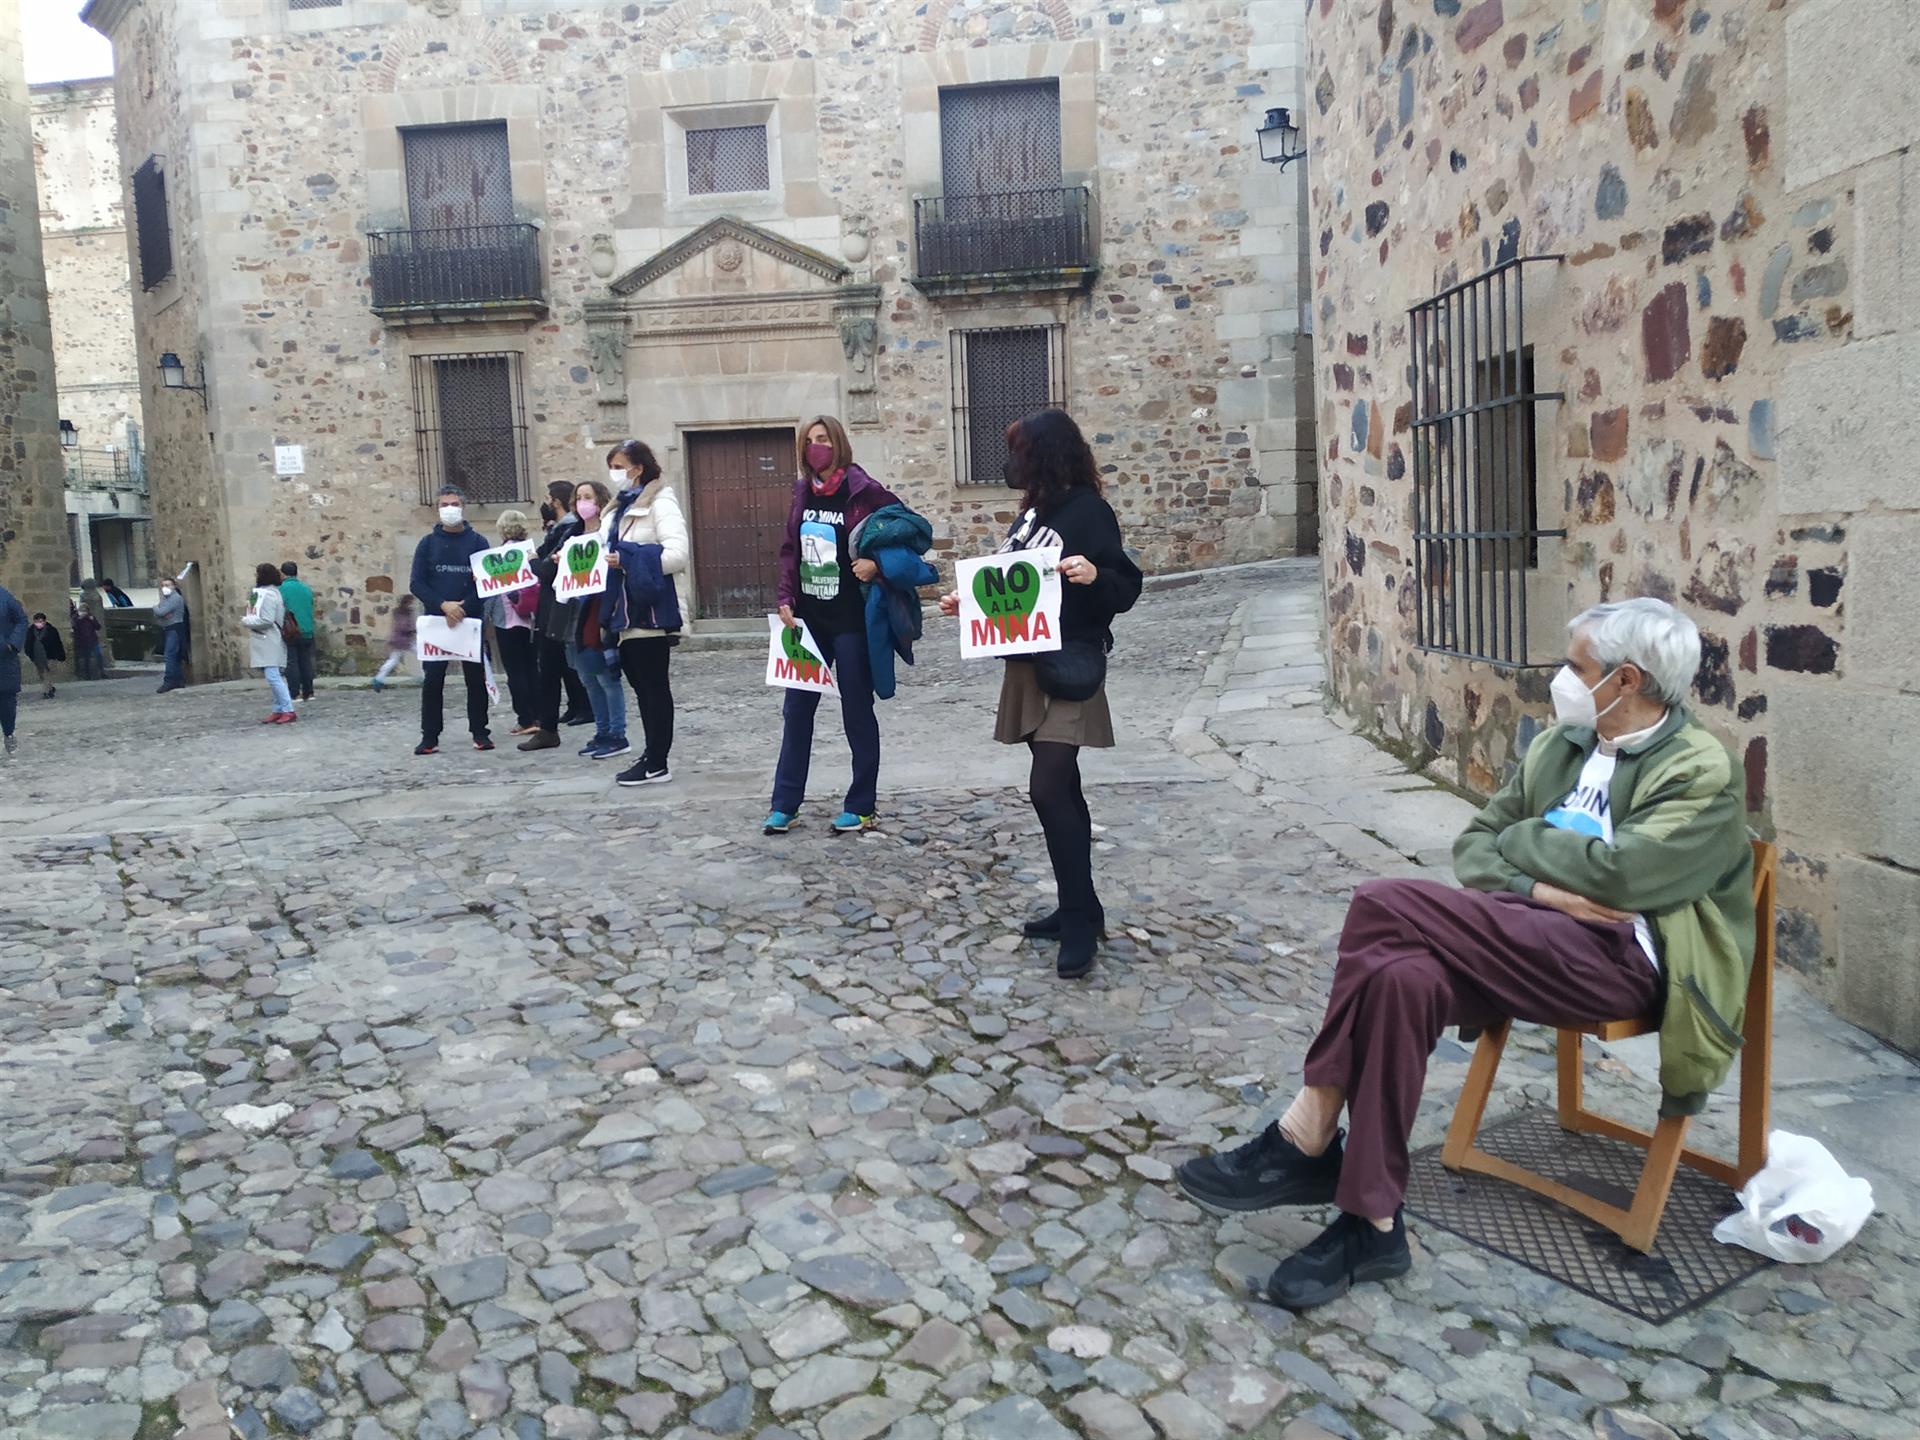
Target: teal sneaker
777	823
848	823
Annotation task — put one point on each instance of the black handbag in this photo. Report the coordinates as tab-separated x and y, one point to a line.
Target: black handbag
1075	671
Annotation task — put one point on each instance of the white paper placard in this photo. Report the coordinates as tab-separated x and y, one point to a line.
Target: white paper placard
795	660
583	568
503	569
435	639
289	460
1009	604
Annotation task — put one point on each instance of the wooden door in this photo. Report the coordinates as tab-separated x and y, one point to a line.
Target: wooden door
741	484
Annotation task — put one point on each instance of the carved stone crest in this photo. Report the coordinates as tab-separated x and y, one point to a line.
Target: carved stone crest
445	9
607	352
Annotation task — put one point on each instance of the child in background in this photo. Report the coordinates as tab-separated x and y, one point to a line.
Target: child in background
44	648
400	640
86	646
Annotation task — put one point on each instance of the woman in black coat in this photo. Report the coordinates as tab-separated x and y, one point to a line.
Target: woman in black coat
1049	461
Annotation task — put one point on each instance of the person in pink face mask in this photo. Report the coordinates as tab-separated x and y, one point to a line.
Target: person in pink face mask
820	581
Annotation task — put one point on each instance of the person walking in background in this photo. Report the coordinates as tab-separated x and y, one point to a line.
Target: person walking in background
13	640
298	596
402	635
511	616
444	585
171	612
1050	462
648	549
45	650
116	597
820	583
267	645
89	659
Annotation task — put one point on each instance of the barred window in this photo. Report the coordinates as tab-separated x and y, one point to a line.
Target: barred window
470	426
1476	496
315	4
727	159
1000	375
154	231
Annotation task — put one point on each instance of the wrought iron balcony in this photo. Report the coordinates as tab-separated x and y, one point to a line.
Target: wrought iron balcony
113	471
1021	240
462	272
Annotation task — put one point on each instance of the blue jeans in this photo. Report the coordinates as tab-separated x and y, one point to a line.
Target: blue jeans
277	683
176	641
853	671
605	692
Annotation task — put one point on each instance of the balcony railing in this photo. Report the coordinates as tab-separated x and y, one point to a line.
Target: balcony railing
122	471
465	268
1021	240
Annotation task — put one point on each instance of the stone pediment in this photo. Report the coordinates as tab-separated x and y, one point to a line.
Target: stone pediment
728	258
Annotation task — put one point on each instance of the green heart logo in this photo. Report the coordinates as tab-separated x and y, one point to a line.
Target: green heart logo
581	558
1009	593
796	648
505	565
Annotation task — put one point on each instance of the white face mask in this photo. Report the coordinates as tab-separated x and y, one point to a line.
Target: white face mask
166	589
617	479
1573	700
451	514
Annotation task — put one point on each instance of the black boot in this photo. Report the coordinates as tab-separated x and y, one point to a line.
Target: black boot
1047	927
1079	937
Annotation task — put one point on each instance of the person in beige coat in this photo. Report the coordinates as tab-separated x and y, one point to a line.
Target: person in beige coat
267	645
647	512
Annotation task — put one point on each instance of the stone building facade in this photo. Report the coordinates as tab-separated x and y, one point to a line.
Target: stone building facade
83	237
34	555
1714	210
487	238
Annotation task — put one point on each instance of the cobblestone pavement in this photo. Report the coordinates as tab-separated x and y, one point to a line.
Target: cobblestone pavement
354	1095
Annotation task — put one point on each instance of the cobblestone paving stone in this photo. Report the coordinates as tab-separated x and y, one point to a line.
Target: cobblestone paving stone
347	1096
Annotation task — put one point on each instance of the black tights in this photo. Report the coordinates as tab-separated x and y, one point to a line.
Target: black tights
1054	788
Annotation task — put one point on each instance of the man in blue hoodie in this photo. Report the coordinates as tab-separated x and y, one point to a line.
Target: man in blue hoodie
443	584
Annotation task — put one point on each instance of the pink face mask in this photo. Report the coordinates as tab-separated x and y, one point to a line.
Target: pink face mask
586	509
819	457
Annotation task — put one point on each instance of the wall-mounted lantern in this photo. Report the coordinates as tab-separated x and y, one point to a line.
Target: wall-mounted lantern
173	375
1280	141
69	435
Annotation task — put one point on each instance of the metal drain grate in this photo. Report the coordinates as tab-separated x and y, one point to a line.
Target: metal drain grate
1687	1266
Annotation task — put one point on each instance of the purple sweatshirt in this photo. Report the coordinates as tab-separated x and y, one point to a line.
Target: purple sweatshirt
864	496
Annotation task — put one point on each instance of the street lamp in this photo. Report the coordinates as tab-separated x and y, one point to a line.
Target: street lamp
173	375
1280	142
69	435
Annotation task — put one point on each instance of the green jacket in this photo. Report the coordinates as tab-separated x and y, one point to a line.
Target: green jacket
1679	856
299	600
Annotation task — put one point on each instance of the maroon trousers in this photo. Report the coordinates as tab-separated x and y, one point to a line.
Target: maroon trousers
1417	957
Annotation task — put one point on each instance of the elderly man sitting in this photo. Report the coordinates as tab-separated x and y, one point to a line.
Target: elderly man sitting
1610	878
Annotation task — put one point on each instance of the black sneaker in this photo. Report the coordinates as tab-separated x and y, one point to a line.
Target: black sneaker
644	772
1349	1252
1268	1170
483	744
572	719
427	747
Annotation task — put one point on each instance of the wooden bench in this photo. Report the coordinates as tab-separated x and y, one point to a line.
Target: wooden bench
1665	1143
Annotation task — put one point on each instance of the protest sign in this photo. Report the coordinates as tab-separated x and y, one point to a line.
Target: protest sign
435	639
794	659
1009	604
504	568
583	568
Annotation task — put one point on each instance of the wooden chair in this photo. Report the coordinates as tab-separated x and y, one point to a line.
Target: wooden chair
1664	1145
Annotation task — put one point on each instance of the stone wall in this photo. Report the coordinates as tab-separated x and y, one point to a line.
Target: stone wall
1732	332
34	553
83	234
284	131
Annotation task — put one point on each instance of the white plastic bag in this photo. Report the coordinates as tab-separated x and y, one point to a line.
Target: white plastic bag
1801	1207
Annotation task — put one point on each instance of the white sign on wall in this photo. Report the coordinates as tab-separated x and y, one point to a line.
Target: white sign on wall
289	460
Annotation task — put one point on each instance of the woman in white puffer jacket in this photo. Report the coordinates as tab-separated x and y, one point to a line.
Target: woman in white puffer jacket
647	512
267	646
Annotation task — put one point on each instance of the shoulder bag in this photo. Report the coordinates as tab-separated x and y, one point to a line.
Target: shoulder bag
1075	671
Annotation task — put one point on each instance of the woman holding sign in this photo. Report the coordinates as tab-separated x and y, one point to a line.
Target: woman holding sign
1055	702
820	583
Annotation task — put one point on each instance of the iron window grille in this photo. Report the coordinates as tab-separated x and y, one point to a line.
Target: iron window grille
470	426
458	175
315	4
727	159
1001	374
153	230
1476	529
